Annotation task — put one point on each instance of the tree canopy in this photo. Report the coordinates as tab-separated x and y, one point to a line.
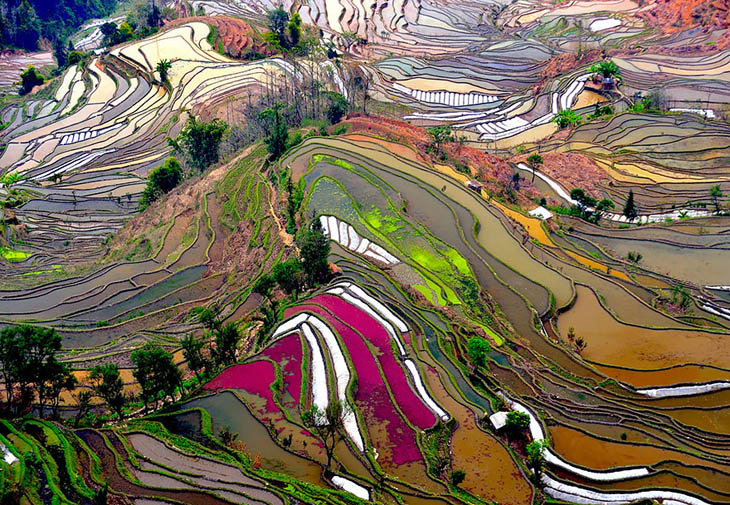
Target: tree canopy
162	180
314	252
30	368
200	141
630	210
108	385
156	373
478	349
29	79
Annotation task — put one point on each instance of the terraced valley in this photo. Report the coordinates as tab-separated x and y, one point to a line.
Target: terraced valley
431	252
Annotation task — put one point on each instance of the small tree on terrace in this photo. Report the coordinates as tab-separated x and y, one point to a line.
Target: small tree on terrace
264	285
314	251
606	68
200	140
716	193
193	354
289	275
349	38
337	107
208	318
163	67
226	343
277	133
155	372
516	423
29	79
534	161
601	207
630	210
326	425
161	180
478	350
439	136
536	459
107	384
566	118
457	477
278	19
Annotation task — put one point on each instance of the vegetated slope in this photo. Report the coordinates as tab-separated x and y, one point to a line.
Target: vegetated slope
23	22
234	36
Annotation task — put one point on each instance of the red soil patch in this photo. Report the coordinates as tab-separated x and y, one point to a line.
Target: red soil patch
677	15
235	35
494	172
672	16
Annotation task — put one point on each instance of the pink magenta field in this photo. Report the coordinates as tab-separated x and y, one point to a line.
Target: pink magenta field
372	394
410	404
287	352
254	378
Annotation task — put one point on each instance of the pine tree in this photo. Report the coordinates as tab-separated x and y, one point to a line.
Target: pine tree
630	210
314	252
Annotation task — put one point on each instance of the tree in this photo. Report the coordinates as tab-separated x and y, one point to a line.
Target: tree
193	354
108	385
601	207
288	275
716	193
53	378
457	477
634	256
337	107
326	425
580	344
439	136
156	372
200	140
208	318
277	134
566	118
8	180
83	406
536	458
606	68
109	30
264	285
516	423
226	343
348	39
60	52
161	180
630	210
314	252
534	161
478	349
278	19
30	367
28	29
163	67
294	28
29	79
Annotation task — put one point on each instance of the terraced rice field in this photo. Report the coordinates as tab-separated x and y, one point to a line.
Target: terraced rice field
430	251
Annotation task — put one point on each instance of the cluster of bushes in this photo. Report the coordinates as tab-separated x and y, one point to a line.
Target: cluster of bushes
161	180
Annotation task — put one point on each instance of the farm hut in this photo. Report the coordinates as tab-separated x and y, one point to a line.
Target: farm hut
498	420
541	213
474	186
